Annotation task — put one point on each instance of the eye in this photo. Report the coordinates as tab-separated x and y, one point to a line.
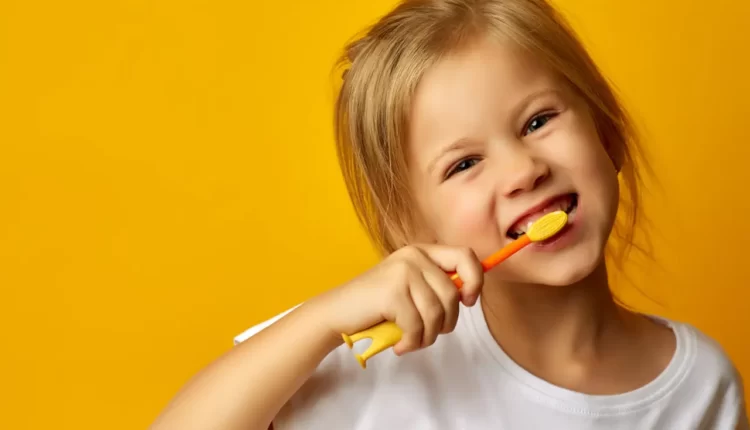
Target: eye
465	164
538	122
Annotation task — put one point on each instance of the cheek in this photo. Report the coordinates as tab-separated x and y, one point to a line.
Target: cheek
594	174
578	151
598	170
464	216
593	167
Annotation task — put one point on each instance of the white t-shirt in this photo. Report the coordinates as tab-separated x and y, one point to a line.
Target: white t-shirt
466	381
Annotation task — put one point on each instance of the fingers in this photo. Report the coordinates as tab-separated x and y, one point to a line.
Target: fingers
402	309
427	305
430	308
464	262
446	293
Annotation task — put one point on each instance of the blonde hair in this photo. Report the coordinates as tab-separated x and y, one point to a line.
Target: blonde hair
382	68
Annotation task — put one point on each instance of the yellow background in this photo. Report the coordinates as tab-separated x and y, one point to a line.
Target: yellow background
163	162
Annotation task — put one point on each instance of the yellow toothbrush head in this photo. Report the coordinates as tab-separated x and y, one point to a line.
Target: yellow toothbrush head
547	226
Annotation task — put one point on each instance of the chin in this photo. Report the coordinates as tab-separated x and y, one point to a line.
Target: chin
559	269
565	273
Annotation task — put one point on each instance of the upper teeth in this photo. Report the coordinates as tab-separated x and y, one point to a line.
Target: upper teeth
523	228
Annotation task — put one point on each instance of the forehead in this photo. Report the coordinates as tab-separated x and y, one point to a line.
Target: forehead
473	90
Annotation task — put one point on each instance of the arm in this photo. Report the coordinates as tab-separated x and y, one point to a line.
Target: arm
246	388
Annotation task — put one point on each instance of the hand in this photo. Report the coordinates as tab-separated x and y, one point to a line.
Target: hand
411	288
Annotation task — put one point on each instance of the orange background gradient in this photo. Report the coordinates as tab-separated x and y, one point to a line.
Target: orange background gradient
161	163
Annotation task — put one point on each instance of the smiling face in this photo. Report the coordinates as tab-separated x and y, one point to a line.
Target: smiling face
495	141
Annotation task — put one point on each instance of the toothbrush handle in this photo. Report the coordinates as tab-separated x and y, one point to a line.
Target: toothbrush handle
383	335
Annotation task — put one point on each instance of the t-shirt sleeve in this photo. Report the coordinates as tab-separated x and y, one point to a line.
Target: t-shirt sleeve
730	403
252	331
736	400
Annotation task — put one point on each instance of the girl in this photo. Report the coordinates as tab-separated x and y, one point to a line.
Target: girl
458	123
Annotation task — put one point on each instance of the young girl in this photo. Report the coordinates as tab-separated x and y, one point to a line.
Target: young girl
458	123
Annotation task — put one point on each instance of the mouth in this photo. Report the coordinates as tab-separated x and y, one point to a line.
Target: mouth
566	202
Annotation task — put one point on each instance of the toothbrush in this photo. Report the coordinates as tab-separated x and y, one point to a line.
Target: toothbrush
386	334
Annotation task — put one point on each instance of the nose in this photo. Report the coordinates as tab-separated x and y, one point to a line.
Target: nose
523	172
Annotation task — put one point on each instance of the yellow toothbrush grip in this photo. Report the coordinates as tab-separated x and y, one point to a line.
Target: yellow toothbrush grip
383	336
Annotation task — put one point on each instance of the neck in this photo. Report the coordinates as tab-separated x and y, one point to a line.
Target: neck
534	323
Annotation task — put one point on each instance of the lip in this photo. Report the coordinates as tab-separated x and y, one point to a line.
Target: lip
536	208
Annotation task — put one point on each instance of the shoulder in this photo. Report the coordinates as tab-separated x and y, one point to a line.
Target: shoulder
710	358
710	378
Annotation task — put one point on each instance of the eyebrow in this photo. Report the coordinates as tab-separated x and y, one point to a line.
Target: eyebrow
525	102
457	144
